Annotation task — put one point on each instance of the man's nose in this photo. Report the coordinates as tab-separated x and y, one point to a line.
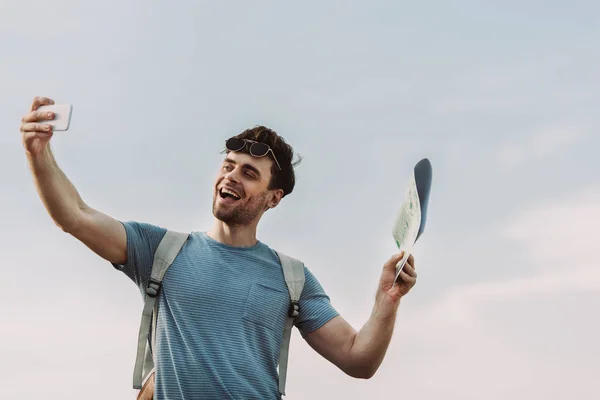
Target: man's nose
232	175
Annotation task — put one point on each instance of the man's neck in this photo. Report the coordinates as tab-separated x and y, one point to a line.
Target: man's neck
238	236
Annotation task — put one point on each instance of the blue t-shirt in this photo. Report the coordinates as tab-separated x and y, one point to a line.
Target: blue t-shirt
221	315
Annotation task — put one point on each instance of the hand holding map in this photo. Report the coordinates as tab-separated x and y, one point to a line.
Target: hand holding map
410	221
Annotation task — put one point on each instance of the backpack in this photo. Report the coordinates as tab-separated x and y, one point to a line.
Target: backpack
168	248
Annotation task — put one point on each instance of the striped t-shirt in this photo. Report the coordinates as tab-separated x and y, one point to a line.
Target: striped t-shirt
221	315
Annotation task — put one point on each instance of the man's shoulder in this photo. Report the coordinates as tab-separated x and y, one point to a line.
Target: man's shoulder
144	228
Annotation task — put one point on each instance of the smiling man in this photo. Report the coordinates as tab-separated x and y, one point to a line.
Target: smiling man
224	300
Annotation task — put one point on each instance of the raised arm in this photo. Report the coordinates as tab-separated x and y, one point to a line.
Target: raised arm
101	233
359	354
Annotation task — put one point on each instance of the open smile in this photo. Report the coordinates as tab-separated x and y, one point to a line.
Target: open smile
229	194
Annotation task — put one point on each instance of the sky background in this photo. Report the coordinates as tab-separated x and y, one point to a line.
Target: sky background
501	96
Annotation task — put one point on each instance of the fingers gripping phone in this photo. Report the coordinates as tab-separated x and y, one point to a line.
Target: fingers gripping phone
62	116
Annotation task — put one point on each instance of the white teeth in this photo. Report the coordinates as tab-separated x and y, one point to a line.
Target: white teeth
234	194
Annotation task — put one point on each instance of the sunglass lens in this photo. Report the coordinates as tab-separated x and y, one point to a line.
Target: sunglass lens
234	144
259	149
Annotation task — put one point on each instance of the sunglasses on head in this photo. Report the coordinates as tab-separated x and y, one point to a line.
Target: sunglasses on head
256	149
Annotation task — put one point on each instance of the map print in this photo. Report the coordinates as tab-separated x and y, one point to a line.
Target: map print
407	223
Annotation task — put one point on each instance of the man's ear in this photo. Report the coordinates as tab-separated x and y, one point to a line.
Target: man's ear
275	198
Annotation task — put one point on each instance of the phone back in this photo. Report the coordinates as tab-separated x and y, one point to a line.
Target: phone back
62	116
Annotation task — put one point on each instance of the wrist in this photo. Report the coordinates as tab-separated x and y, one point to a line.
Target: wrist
385	306
39	160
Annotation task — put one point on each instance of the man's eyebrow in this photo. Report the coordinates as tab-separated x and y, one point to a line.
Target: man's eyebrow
244	166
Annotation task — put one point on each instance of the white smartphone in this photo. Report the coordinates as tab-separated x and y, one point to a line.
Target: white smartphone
62	116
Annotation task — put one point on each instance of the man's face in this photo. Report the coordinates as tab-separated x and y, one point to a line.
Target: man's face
241	191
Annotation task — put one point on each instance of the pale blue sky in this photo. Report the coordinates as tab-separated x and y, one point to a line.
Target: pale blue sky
502	97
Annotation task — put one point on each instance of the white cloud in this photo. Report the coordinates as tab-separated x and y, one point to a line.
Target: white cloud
559	239
562	234
552	139
498	88
511	154
542	143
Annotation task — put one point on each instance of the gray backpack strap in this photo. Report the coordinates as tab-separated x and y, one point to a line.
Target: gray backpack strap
164	256
293	272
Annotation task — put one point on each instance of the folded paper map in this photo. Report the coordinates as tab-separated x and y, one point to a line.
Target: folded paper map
410	221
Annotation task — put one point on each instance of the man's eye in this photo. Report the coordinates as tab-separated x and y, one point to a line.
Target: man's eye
250	175
227	167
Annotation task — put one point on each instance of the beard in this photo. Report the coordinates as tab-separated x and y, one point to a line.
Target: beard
240	214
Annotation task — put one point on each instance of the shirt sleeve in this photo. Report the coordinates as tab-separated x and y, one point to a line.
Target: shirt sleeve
142	241
315	306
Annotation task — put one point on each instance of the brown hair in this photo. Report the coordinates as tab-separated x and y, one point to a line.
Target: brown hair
284	179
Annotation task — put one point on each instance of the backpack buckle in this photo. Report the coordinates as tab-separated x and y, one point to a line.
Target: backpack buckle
153	288
294	309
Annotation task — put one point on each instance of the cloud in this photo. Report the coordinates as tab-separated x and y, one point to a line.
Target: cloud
559	234
542	143
552	139
499	88
559	239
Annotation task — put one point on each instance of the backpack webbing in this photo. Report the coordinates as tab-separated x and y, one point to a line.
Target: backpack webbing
293	272
166	252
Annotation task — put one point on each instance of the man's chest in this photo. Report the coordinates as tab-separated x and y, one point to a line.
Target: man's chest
224	289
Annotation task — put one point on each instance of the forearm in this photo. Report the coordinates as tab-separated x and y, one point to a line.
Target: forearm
371	342
59	196
359	354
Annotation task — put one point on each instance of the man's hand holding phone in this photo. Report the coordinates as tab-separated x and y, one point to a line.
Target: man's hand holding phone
42	120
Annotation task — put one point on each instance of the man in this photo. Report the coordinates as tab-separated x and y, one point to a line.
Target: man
224	301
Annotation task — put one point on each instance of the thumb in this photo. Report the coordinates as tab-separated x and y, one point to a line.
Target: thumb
395	259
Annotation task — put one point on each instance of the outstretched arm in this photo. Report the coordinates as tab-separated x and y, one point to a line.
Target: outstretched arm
359	354
101	233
